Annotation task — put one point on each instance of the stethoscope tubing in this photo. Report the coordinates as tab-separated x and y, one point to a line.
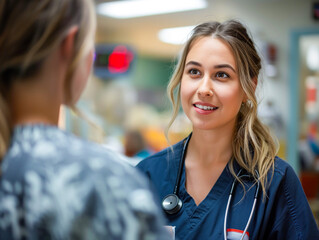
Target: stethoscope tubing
178	203
181	164
252	209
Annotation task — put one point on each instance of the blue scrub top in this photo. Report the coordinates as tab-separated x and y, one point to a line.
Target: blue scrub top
283	214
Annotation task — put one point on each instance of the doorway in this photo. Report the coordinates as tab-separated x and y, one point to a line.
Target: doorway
303	124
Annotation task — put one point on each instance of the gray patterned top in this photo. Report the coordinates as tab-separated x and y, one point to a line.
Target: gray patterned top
56	186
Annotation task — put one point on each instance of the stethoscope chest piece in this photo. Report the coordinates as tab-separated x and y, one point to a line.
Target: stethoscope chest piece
172	204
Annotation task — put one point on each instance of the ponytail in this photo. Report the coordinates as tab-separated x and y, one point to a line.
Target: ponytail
4	127
4	110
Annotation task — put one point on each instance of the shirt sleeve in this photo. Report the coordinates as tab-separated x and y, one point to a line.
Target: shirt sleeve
292	216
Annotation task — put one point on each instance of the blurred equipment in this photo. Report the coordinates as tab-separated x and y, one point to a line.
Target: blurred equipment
270	54
112	61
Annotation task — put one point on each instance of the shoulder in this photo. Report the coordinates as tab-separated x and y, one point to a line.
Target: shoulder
283	171
95	161
289	206
55	155
283	174
282	167
284	184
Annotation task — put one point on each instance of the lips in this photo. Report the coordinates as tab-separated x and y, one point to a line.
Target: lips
205	106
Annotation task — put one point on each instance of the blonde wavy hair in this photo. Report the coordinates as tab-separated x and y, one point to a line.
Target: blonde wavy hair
253	146
29	31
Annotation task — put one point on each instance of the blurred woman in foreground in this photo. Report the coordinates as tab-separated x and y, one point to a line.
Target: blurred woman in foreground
54	185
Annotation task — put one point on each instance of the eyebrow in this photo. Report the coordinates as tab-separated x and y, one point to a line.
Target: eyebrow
216	66
193	63
225	66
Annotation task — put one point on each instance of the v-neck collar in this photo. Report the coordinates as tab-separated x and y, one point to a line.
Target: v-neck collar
215	194
221	186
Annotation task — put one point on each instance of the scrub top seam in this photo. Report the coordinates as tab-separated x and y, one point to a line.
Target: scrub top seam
292	211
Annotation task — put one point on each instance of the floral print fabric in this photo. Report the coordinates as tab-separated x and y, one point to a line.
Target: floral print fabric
54	185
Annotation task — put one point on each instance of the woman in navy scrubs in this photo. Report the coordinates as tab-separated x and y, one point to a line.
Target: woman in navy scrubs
229	148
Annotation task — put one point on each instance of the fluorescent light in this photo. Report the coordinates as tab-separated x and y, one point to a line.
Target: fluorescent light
176	36
312	57
138	8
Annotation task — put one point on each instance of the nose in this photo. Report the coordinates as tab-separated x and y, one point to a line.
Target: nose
205	88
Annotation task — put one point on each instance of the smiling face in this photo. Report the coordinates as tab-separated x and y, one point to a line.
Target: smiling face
211	94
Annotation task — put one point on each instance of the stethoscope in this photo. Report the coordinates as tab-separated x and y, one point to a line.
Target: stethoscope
172	204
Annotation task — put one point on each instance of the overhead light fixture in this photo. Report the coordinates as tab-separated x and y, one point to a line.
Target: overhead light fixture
139	8
175	36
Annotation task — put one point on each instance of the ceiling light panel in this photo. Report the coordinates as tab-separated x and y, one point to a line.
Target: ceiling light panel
176	36
139	8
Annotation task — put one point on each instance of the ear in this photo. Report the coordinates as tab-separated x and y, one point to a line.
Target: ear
67	45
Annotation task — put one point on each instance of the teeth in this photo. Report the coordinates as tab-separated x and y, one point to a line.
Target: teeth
205	107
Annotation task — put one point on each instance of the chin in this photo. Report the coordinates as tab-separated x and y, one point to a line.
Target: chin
203	126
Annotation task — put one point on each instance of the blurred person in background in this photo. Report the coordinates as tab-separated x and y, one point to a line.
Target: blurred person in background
135	146
308	153
224	181
54	185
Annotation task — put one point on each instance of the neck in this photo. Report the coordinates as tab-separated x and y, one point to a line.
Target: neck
208	147
29	107
38	99
33	101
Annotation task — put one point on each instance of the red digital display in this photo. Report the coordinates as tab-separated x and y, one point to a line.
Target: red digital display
119	60
112	60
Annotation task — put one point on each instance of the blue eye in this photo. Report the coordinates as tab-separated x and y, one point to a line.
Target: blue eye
222	75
